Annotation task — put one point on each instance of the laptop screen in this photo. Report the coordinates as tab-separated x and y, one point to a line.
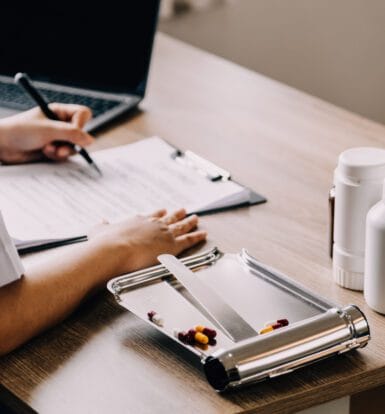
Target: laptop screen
101	45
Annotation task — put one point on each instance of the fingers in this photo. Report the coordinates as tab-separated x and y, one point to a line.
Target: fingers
174	217
81	117
78	115
69	128
57	153
62	131
184	226
22	157
190	239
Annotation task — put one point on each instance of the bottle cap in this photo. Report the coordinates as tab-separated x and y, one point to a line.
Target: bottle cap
362	163
347	279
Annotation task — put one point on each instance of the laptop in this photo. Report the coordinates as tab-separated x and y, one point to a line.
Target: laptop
90	53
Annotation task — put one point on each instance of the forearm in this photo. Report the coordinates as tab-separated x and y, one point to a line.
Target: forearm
50	292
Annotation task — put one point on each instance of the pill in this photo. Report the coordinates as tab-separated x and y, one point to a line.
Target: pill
211	333
203	347
199	328
201	338
182	336
155	318
266	329
283	322
158	320
190	337
151	314
177	332
212	341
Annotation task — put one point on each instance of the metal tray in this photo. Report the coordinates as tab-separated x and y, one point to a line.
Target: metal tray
318	328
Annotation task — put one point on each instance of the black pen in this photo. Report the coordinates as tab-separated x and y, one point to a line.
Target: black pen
23	80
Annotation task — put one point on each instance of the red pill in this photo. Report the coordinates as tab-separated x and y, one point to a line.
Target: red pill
212	341
277	325
211	333
190	337
283	322
182	336
151	314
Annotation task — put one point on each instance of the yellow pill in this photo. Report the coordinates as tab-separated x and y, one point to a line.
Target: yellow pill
201	338
199	328
266	329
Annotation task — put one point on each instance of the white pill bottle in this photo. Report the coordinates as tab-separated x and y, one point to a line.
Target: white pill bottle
374	285
358	184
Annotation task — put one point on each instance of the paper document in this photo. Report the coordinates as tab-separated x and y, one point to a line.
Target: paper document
62	200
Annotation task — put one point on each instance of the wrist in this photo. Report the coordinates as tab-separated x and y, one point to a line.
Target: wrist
112	258
3	136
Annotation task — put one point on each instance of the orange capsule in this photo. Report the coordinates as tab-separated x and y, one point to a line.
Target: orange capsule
199	328
266	329
201	338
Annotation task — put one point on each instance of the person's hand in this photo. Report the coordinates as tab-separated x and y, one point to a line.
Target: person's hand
136	243
29	136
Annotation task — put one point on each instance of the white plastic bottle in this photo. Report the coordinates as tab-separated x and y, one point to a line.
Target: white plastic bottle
374	286
358	181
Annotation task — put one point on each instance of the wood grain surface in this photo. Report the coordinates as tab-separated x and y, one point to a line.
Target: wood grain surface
277	140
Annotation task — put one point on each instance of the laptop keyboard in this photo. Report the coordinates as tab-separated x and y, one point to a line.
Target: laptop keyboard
12	96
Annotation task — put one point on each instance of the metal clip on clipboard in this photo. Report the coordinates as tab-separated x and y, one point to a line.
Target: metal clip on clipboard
201	165
216	174
318	328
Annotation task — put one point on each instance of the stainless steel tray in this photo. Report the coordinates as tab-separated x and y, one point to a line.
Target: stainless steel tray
318	328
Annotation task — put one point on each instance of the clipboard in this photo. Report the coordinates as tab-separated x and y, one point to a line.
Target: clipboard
318	328
33	246
139	178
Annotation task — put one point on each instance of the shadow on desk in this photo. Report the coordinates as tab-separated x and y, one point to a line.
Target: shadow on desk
42	356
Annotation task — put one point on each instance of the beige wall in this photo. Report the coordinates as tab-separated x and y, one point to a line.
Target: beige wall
334	49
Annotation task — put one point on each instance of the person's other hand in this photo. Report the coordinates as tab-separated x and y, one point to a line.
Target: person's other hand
29	136
136	243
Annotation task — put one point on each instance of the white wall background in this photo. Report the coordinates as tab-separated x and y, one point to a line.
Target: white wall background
334	49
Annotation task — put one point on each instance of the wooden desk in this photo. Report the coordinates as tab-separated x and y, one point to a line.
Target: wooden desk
279	141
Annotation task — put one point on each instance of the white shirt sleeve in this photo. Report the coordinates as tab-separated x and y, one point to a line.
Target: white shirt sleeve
11	267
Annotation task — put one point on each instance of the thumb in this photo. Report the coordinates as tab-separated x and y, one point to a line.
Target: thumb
63	131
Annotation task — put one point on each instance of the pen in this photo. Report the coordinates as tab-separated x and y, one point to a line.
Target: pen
23	80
